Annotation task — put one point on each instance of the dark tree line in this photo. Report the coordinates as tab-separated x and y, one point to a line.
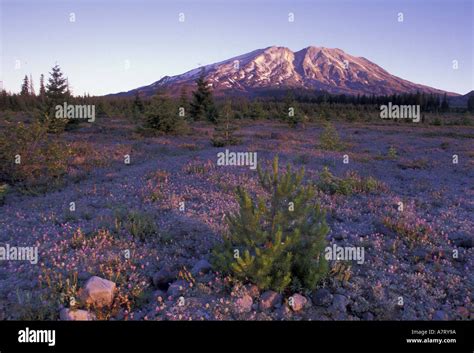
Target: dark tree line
201	106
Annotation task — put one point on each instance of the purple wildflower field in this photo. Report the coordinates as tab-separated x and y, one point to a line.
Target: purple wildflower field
418	260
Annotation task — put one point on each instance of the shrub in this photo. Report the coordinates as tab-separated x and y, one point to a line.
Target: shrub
29	306
163	116
350	184
272	244
139	224
437	122
352	116
55	126
329	139
412	230
197	166
392	153
42	158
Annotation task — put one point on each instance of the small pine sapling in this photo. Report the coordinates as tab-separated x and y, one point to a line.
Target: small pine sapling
224	131
277	241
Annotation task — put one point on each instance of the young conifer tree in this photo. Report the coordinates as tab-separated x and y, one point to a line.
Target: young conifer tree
224	131
42	90
277	241
162	116
202	106
25	87
56	94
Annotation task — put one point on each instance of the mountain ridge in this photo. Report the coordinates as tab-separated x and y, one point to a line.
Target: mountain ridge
311	68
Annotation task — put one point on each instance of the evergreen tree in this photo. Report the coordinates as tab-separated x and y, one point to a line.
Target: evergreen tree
57	85
329	138
32	88
42	90
163	116
224	131
202	106
278	241
56	93
138	107
445	104
25	87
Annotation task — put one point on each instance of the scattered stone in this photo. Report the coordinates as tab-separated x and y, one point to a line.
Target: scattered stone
244	304
177	288
163	278
269	299
340	303
322	297
297	302
98	292
75	315
202	266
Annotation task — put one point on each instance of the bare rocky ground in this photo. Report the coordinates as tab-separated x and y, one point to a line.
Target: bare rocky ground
410	273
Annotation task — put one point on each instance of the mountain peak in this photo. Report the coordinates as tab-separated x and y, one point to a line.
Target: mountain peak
312	68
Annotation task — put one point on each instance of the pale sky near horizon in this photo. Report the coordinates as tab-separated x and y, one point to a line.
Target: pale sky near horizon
119	45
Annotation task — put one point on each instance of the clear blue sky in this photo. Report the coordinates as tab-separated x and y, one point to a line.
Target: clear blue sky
109	34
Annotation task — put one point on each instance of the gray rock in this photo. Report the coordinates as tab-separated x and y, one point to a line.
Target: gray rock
163	278
244	304
202	266
269	299
297	302
340	303
322	297
98	292
75	315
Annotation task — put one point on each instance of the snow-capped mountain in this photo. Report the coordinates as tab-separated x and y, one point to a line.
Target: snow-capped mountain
313	68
